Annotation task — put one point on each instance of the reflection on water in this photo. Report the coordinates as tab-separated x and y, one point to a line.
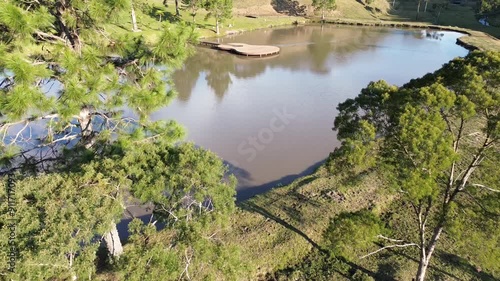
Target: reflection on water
241	108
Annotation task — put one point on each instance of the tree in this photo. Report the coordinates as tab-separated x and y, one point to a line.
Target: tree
418	9
64	81
220	10
61	217
57	224
177	13
192	198
134	19
437	139
193	6
437	8
488	6
324	6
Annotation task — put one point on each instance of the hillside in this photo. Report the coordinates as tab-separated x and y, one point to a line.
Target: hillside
453	15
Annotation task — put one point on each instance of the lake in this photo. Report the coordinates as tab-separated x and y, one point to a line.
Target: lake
271	118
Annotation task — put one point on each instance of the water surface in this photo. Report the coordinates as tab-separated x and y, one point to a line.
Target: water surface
271	118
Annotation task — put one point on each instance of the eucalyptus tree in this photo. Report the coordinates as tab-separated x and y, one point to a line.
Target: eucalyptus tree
66	82
437	139
220	10
324	6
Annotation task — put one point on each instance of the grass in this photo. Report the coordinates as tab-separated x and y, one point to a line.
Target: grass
149	23
380	12
281	227
280	234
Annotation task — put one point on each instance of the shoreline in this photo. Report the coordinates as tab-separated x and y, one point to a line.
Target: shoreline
472	39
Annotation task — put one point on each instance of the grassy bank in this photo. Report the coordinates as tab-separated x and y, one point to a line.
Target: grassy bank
280	234
152	15
280	228
471	40
257	14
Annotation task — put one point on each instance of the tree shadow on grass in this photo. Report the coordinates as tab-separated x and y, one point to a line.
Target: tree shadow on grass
162	15
321	264
252	207
289	7
464	265
451	259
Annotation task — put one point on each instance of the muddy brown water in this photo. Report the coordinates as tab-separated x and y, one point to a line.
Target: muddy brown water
270	119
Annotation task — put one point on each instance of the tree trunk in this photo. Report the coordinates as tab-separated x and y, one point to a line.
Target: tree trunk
422	269
217	26
134	20
425	8
426	257
418	9
177	8
323	15
85	121
113	243
393	3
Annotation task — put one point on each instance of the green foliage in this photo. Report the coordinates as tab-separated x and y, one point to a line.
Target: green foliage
57	221
324	5
149	254
193	6
361	276
184	182
437	139
63	72
349	234
357	124
220	10
171	254
488	6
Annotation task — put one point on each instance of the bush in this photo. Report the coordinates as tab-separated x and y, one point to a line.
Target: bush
350	234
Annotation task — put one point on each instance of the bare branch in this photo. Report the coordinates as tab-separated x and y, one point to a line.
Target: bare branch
390	246
45	36
485	187
389	239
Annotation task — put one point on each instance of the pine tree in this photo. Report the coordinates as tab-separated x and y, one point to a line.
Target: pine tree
54	229
65	80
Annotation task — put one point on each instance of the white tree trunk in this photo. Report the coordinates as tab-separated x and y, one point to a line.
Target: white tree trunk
425	8
418	8
425	258
217	26
422	269
85	121
113	243
134	20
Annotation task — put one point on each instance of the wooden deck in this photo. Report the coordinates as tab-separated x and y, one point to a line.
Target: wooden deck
243	49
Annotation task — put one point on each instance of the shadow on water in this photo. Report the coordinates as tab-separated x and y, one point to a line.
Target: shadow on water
247	192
